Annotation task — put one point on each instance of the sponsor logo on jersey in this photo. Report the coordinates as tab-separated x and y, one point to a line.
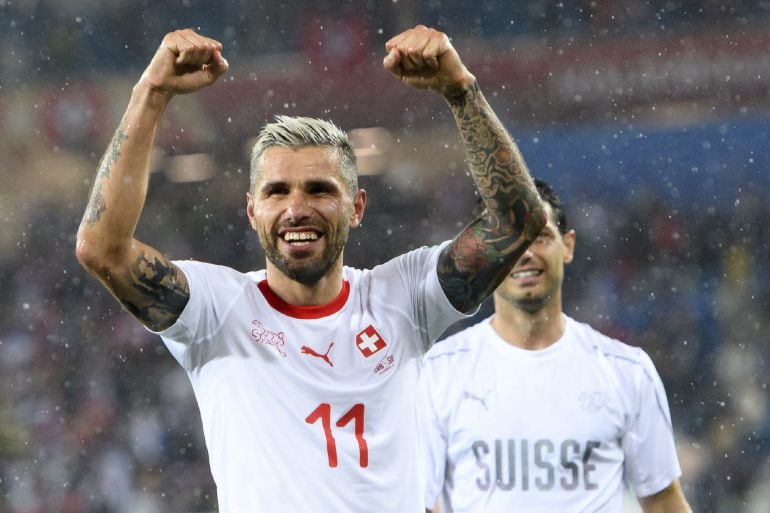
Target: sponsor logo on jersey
385	364
267	337
369	341
543	464
478	398
323	356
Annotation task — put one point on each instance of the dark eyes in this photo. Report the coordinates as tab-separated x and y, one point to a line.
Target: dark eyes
320	188
312	188
274	190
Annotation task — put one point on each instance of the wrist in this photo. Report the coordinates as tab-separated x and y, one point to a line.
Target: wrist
459	89
150	96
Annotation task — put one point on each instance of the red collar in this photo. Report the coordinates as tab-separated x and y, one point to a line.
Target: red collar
305	312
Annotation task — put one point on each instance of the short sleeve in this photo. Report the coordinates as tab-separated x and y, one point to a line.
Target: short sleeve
418	271
213	291
651	462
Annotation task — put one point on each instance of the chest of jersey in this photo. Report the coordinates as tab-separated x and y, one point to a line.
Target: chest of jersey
334	393
538	426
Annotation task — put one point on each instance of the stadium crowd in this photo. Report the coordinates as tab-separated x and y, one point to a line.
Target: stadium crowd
45	38
96	417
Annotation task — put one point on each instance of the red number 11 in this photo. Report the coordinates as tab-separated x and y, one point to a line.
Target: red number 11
356	414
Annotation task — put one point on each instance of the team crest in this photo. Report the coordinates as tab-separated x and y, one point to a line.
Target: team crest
267	337
369	341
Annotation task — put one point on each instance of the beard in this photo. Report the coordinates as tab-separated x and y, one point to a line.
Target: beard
532	304
307	271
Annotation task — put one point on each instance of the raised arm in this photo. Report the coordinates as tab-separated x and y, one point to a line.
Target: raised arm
478	259
141	278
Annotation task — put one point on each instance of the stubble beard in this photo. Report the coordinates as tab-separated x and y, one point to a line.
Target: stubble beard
307	271
535	302
532	304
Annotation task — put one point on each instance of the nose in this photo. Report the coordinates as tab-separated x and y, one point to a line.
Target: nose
526	256
298	206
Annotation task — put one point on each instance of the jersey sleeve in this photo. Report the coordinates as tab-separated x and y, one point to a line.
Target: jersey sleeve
434	439
213	291
651	462
418	273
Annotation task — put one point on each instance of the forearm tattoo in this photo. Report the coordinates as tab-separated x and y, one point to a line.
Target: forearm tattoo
96	203
479	258
159	295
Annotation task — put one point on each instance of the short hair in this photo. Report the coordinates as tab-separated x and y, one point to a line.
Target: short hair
299	132
549	196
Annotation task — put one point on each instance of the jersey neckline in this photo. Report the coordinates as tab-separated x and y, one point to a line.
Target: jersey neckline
552	351
305	312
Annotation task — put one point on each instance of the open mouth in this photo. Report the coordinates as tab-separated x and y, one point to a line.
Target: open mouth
300	238
528	273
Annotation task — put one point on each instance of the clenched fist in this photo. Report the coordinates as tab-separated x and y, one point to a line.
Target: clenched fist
185	62
425	58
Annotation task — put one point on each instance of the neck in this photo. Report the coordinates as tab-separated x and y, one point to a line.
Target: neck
528	330
300	294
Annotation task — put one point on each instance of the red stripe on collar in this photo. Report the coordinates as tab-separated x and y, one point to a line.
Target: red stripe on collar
305	312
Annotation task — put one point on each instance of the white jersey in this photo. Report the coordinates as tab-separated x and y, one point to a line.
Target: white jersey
552	430
312	408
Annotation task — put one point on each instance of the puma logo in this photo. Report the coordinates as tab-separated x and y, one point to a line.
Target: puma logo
313	352
482	400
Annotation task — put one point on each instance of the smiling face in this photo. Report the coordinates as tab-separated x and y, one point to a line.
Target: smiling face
536	279
302	210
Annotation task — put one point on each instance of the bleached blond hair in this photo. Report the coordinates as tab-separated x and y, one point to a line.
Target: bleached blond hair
298	132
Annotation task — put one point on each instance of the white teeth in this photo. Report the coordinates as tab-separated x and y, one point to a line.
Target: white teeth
300	236
526	274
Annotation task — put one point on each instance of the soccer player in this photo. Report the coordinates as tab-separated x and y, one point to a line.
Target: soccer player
306	372
532	411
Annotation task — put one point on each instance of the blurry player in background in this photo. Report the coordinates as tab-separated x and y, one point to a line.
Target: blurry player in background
306	372
532	411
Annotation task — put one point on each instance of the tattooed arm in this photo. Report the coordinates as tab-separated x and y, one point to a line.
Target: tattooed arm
141	278
478	259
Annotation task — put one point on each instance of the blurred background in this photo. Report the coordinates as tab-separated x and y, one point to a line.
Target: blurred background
650	118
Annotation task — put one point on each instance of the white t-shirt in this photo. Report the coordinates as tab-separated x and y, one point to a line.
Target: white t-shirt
554	430
312	409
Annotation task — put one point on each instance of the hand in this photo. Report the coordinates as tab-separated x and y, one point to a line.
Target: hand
424	58
184	62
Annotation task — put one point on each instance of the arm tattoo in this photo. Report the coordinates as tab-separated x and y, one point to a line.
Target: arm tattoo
96	203
159	294
472	266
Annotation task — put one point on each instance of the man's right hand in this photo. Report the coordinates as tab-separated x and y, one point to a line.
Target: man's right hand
184	62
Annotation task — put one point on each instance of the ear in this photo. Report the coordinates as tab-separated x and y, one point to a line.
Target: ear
359	204
250	210
569	246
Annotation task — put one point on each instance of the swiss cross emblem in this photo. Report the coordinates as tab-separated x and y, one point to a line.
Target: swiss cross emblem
369	341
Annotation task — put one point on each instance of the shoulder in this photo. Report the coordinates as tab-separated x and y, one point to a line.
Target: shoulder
590	338
455	348
414	259
629	361
218	275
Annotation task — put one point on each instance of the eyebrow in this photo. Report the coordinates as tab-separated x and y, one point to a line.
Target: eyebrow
325	184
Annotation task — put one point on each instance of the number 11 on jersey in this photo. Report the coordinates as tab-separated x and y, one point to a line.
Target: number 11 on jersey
356	414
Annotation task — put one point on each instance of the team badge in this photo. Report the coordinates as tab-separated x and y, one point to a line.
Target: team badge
369	341
267	337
